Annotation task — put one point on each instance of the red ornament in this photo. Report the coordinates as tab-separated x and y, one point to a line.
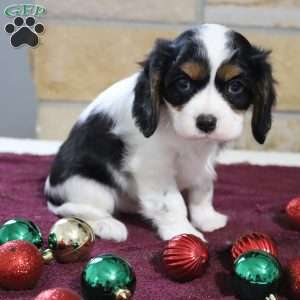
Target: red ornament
294	278
185	257
58	294
21	265
254	241
293	212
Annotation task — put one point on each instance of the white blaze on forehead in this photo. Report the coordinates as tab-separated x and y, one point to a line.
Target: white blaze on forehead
215	39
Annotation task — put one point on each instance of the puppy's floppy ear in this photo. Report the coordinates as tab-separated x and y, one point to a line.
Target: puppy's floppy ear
148	89
264	94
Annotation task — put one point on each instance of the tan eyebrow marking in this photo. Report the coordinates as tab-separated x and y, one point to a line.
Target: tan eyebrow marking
194	70
229	71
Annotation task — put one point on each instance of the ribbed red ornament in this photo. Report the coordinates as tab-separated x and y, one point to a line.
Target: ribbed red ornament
21	265
293	212
58	294
294	278
254	241
185	257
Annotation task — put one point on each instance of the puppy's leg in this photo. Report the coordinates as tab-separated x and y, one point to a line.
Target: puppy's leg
202	213
103	224
90	201
164	205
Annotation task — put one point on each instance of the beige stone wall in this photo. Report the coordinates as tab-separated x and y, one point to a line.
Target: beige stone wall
88	45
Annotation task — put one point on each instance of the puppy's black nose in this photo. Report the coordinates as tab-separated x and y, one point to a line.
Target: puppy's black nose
206	123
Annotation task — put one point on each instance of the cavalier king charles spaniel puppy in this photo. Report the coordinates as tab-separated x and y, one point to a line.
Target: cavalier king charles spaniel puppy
158	132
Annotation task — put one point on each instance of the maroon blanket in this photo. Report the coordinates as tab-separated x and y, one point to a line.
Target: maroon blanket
254	198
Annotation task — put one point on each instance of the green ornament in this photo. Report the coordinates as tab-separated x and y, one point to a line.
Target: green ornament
21	229
256	275
108	277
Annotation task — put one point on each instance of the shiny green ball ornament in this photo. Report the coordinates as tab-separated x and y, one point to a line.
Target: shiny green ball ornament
21	229
256	275
108	277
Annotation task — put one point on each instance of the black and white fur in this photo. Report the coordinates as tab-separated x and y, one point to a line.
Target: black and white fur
149	136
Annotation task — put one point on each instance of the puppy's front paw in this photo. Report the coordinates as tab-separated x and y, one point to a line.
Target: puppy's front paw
168	232
110	229
210	221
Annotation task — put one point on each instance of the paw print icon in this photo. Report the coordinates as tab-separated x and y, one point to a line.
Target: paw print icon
24	31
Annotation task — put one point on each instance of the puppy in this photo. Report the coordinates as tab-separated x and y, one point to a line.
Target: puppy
157	132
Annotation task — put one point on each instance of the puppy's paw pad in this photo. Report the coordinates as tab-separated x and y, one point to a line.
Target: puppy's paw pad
110	229
169	233
211	221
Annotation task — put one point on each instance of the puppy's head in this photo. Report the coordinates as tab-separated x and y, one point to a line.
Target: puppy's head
206	78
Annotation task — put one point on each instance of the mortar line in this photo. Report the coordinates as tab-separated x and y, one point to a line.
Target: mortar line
52	102
78	21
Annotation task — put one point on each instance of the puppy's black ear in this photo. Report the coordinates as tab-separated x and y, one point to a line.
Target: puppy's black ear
148	89
264	94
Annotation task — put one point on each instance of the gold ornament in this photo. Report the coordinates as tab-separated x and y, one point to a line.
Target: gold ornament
70	240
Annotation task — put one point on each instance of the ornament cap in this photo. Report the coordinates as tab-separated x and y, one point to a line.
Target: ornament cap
123	294
48	256
271	297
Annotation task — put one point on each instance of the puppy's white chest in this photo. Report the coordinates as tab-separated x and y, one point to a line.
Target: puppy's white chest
194	164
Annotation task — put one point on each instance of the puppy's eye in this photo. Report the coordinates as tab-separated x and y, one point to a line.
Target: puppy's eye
235	87
183	85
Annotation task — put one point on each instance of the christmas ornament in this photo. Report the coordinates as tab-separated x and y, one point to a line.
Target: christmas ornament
254	241
58	294
21	265
256	275
294	278
108	277
70	240
20	229
293	212
271	297
185	257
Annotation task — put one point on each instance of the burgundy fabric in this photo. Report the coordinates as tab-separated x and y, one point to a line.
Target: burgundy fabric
254	198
